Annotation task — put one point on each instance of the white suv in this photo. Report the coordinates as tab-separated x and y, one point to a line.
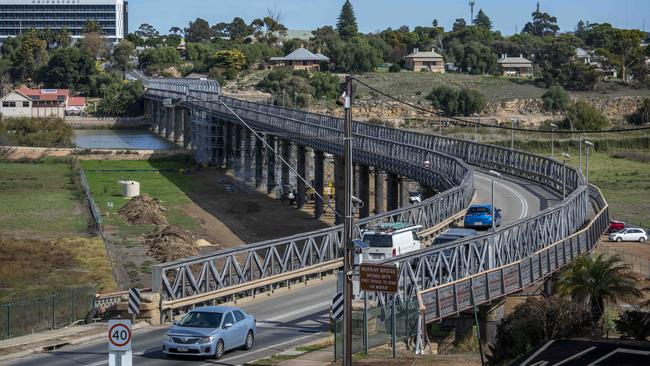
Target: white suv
390	240
631	234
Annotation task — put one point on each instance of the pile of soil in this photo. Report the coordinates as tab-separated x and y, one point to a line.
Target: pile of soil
170	243
144	210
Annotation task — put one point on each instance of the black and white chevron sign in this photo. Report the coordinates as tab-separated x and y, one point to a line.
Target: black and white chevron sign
337	306
134	301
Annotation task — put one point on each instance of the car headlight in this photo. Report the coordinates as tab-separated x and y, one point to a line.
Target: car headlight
169	339
204	340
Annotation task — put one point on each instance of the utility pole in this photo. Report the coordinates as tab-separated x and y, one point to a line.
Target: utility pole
347	227
472	3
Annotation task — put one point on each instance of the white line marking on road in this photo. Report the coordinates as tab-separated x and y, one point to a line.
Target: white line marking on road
264	349
524	203
288	315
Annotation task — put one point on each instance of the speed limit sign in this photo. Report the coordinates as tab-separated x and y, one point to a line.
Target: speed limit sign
119	335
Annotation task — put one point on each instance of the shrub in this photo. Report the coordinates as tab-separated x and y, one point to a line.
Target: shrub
457	102
395	68
35	132
642	114
556	99
535	322
584	116
635	324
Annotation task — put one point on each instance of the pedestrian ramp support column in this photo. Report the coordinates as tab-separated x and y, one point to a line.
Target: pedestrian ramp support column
187	128
270	156
259	164
228	137
286	155
301	158
248	156
169	126
392	192
380	180
238	150
404	191
363	174
339	189
319	183
178	125
491	316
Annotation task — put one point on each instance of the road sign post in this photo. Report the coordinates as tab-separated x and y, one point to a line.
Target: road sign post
134	303
119	343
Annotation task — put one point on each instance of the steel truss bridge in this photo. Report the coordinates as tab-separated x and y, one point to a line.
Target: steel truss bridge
445	279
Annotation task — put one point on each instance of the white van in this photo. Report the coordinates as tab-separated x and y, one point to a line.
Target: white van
390	240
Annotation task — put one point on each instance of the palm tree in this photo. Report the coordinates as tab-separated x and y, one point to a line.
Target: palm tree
63	37
598	280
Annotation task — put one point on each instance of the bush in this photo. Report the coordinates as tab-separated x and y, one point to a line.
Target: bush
534	323
457	102
584	116
642	114
556	99
635	324
121	100
395	68
35	132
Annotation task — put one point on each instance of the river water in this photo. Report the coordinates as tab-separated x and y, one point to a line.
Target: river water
121	139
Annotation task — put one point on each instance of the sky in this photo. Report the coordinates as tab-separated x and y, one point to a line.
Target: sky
374	15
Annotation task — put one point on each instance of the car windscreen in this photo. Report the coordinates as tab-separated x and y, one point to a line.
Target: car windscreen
378	240
478	211
445	239
198	319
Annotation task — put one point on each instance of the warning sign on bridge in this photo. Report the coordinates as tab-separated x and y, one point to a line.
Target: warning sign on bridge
376	278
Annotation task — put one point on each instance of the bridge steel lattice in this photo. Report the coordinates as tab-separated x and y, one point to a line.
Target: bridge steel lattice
447	170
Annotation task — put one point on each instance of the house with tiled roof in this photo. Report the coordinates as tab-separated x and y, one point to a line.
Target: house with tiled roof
300	59
515	66
425	61
25	102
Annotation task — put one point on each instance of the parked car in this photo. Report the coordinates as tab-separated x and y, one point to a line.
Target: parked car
453	235
415	198
629	234
481	216
390	240
615	226
211	331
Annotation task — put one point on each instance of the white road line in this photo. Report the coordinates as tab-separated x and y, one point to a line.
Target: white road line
296	312
524	203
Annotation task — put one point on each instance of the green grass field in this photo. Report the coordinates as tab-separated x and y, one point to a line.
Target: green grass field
41	201
163	180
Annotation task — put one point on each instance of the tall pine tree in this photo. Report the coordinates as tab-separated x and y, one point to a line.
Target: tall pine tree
346	25
482	20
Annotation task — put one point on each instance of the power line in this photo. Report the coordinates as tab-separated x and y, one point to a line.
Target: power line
465	121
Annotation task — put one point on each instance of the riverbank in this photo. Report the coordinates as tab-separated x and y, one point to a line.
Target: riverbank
15	153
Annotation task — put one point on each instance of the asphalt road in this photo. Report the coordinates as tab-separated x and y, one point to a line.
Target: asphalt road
297	317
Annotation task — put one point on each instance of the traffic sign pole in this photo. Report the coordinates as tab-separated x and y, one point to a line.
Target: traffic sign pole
119	343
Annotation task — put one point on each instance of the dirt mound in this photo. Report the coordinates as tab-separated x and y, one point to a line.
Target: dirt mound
170	243
144	210
245	208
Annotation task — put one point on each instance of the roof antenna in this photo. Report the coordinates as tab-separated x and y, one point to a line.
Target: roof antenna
538	6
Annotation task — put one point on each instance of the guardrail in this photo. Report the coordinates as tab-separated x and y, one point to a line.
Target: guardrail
456	296
395	151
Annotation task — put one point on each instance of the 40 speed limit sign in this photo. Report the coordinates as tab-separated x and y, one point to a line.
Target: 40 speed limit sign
119	335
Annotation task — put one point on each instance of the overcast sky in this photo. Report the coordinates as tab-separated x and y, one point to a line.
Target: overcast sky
373	15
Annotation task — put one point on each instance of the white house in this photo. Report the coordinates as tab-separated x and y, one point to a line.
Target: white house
25	102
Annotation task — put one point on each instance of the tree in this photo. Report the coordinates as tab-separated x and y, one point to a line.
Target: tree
536	322
581	28
542	25
635	324
238	29
355	56
160	58
482	20
346	25
92	26
121	99
94	44
597	280
556	99
459	25
456	102
147	31
67	68
63	37
29	57
325	85
230	61
175	30
395	68
198	31
123	55
641	115
627	49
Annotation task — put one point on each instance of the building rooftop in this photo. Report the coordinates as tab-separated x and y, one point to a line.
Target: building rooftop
44	94
514	61
301	54
426	54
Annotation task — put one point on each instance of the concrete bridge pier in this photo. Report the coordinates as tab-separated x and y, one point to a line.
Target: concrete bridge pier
147	110
364	190
158	118
404	191
301	156
259	164
284	169
187	128
270	156
238	151
248	156
169	126
490	317
178	125
228	137
218	141
339	189
392	192
380	178
319	183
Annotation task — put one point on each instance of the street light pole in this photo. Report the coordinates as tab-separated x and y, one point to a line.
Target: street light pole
491	253
566	157
580	148
554	127
348	226
588	144
512	143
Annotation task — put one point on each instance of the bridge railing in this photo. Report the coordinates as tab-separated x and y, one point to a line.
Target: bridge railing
451	298
399	152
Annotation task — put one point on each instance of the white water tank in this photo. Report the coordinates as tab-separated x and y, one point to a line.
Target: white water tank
130	188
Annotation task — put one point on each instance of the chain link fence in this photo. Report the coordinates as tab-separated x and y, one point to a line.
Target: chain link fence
54	311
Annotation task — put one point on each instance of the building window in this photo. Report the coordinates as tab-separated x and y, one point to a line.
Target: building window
8	104
25	104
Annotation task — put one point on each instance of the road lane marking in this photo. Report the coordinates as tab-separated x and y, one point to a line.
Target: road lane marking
522	200
296	312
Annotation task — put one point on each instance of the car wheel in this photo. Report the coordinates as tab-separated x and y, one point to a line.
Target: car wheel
619	239
641	240
218	352
250	340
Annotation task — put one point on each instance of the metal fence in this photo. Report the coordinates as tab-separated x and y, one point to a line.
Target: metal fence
95	213
54	311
